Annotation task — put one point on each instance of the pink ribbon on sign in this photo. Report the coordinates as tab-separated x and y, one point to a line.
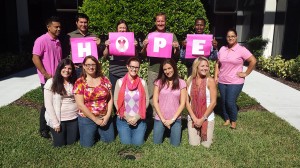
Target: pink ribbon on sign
160	45
82	47
121	43
198	45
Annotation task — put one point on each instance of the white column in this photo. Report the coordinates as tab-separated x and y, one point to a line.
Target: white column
269	25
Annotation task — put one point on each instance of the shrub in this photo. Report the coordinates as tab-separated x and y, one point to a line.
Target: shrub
295	70
139	14
257	45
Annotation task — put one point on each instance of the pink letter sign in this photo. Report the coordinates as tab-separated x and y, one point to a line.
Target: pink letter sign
198	44
160	45
82	47
121	44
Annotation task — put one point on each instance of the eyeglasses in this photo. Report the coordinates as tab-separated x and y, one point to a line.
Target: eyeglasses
230	36
90	65
133	67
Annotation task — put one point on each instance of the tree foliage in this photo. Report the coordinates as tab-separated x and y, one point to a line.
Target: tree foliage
139	15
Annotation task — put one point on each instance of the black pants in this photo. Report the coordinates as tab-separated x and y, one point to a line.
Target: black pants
68	133
43	124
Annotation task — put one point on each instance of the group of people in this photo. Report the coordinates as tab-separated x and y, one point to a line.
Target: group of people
82	106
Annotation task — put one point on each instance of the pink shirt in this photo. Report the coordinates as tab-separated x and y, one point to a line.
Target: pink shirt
50	53
232	61
169	100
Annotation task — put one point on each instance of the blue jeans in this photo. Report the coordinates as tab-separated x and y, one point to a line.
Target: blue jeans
68	133
88	129
229	94
131	134
159	130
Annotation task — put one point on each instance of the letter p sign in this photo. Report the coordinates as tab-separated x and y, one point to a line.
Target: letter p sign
159	43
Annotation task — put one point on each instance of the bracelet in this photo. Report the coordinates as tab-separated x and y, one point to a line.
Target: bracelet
205	118
173	119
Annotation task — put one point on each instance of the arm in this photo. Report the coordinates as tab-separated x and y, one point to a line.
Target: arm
144	49
116	93
106	52
147	93
81	106
252	61
216	76
156	105
176	51
39	65
48	99
109	109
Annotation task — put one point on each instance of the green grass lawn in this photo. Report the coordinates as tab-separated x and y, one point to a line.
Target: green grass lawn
261	140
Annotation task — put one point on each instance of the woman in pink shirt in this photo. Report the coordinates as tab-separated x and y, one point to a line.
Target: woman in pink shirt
94	100
61	109
230	76
169	98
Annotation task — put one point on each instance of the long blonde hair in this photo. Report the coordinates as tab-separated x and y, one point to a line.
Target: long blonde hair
195	68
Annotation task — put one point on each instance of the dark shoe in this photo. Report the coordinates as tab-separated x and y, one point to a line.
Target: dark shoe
45	134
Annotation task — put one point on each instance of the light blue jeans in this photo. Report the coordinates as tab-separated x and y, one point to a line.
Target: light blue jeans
131	134
229	94
159	130
88	129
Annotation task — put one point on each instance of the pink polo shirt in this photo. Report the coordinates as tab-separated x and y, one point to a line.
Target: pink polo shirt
232	61
50	53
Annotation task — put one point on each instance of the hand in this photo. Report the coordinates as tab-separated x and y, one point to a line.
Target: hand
104	120
166	123
47	76
98	40
107	42
198	122
145	43
135	43
57	129
242	74
99	120
175	44
131	121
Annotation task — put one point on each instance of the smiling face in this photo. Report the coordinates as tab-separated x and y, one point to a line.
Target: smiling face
168	70
54	29
82	25
133	68
160	23
203	68
66	72
199	26
231	38
90	67
122	27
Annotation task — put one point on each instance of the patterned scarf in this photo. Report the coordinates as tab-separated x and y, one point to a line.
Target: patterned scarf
136	84
198	96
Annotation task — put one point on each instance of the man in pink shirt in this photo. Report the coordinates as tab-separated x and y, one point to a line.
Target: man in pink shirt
46	55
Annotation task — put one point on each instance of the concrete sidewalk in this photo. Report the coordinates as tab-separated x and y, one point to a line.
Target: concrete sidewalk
16	85
276	97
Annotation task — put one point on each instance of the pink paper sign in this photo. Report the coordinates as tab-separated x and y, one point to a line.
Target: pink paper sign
82	47
198	45
160	45
121	44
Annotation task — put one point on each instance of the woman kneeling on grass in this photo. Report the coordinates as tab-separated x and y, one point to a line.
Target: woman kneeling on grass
61	109
201	101
169	98
131	100
93	97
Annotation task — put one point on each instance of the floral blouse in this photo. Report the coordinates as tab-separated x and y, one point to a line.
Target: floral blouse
95	98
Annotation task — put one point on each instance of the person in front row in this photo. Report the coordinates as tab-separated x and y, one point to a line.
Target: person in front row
61	109
131	100
94	100
169	100
201	101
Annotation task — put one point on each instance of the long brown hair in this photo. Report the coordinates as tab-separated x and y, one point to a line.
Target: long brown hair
164	79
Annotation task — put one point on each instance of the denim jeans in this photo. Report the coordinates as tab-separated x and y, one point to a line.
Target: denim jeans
229	94
159	130
68	133
131	134
88	129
